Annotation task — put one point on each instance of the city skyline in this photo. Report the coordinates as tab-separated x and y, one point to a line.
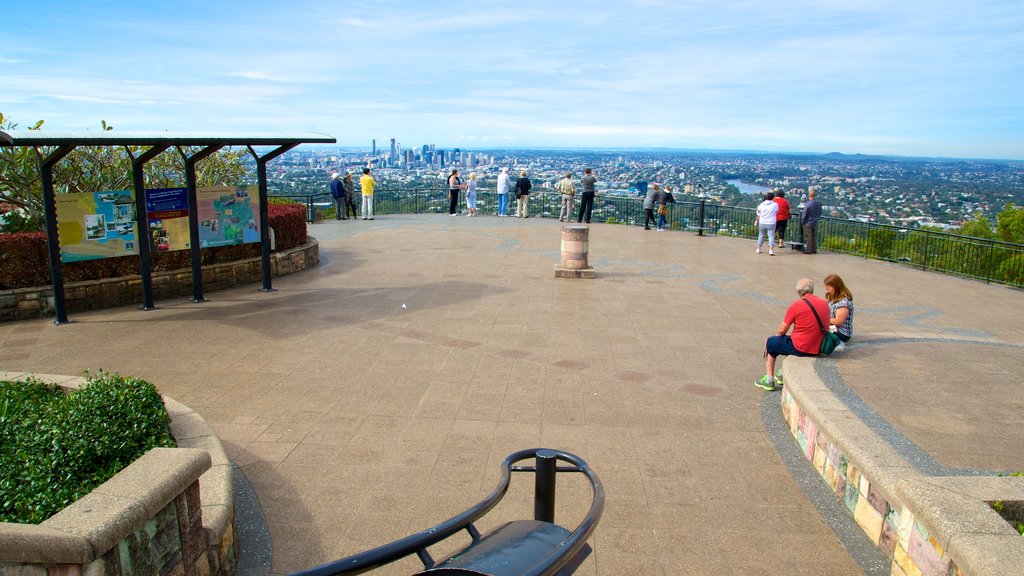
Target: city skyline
906	79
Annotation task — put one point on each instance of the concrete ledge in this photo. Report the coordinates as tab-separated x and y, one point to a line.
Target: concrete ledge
193	483
117	507
922	524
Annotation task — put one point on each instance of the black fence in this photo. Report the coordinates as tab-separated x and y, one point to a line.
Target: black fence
978	258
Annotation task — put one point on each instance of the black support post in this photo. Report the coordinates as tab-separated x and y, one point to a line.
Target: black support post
193	217
52	240
261	175
142	219
544	487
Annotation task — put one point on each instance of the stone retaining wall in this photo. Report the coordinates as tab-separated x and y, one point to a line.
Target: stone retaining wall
171	512
37	302
924	525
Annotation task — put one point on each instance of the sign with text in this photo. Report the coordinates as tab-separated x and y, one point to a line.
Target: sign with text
228	215
167	211
97	225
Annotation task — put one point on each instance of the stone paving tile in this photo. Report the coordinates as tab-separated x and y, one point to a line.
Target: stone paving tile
359	421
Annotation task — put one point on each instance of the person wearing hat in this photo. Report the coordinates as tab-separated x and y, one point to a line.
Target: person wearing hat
567	189
338	193
350	196
471	194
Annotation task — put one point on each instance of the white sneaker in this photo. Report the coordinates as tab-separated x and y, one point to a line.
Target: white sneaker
758	251
841	347
771	252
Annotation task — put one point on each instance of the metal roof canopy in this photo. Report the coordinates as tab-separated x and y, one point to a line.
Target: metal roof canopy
65	142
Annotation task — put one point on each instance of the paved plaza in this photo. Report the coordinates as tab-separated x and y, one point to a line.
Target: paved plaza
376	394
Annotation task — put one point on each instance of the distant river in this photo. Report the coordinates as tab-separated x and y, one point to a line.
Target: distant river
749	188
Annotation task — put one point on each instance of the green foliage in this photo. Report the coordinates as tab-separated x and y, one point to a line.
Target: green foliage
1011	224
55	448
99	168
18	221
880	243
979	227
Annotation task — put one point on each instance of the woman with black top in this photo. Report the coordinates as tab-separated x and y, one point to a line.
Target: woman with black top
454	185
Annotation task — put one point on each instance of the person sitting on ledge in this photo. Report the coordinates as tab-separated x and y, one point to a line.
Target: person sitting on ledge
806	337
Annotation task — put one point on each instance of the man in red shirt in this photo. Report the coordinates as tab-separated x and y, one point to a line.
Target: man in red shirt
782	217
806	337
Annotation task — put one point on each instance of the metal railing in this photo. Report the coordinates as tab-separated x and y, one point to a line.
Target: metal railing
549	560
977	258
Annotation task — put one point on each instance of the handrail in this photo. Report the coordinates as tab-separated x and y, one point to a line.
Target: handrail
984	259
419	542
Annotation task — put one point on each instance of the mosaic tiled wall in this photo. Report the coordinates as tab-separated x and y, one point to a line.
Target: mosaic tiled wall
897	534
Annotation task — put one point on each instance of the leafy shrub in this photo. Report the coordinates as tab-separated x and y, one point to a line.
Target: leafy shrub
19	221
24	259
56	448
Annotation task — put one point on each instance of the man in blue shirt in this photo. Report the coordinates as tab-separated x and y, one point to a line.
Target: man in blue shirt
809	221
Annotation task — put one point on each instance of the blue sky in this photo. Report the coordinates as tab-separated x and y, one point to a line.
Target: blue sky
920	78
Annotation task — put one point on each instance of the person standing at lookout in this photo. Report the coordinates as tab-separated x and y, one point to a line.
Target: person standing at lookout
366	185
782	218
504	187
649	200
350	196
765	221
809	221
338	193
454	186
567	189
587	198
523	186
471	194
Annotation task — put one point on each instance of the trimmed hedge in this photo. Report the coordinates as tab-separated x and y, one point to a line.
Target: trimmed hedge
24	258
56	447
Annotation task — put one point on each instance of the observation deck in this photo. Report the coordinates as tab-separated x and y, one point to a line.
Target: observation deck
375	395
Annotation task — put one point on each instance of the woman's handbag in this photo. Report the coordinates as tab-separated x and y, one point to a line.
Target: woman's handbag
663	210
829	341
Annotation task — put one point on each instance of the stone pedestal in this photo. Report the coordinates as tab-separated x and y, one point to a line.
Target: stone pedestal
575	246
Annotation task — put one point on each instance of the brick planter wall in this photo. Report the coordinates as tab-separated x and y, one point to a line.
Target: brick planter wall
37	302
170	513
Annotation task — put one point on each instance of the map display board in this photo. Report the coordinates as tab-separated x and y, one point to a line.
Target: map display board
96	225
167	211
228	215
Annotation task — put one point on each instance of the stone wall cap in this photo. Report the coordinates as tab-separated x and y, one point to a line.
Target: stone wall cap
32	543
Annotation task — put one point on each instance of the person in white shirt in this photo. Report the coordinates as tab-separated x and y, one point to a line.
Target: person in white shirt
765	220
504	187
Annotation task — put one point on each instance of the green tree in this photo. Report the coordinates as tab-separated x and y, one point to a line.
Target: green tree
99	168
1011	224
979	227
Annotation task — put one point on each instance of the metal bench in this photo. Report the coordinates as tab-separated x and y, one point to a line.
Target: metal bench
536	547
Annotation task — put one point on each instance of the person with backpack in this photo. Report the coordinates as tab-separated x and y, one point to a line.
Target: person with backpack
664	199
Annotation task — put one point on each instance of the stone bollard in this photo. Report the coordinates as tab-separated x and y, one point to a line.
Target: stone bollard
575	246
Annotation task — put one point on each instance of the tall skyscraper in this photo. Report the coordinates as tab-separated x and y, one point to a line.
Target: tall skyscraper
393	159
373	150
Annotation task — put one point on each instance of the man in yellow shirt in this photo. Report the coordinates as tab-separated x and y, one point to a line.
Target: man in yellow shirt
366	183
